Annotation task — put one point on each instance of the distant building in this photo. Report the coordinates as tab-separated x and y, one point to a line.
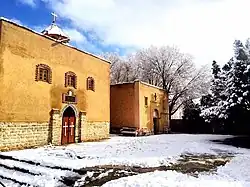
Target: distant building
50	92
139	105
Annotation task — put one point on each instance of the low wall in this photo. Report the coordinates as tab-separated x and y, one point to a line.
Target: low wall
20	135
91	131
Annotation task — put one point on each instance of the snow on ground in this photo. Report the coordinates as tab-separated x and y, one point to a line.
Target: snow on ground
175	179
140	151
233	174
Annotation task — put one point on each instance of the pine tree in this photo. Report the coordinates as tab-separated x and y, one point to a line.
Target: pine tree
230	98
191	117
209	103
237	91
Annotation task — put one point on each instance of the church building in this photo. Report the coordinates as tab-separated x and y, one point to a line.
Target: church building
50	92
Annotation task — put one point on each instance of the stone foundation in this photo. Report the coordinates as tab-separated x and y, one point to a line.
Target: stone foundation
20	135
28	135
92	131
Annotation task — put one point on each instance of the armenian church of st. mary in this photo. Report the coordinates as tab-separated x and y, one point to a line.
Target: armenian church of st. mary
50	92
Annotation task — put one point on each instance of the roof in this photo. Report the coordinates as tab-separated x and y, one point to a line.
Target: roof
54	29
147	84
132	82
67	45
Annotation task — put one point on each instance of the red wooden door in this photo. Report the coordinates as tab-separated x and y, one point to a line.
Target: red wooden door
68	130
65	130
71	130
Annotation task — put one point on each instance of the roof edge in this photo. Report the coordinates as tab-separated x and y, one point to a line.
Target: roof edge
142	82
147	84
67	45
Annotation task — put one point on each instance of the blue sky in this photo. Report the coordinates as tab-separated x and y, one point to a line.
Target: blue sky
38	17
206	29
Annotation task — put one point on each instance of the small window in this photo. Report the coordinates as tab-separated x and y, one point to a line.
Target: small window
146	101
155	97
43	73
70	79
90	84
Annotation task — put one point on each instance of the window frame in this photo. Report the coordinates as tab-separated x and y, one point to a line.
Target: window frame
91	83
70	79
43	73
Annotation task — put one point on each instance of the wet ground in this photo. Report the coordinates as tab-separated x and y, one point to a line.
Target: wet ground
188	164
237	141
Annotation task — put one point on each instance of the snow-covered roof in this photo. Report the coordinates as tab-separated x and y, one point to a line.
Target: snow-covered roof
147	84
132	82
53	29
65	44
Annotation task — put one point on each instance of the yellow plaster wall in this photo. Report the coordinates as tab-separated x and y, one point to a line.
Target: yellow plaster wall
128	105
24	99
123	106
146	112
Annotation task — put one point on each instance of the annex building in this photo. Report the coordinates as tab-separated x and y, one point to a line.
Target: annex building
139	105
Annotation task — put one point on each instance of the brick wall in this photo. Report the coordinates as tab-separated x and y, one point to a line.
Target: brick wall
23	135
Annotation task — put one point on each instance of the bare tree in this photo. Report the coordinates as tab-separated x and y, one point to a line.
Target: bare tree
123	69
174	71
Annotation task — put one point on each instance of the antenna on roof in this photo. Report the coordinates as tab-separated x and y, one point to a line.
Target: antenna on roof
54	17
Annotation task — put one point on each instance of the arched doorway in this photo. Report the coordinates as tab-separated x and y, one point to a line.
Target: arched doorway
68	126
156	121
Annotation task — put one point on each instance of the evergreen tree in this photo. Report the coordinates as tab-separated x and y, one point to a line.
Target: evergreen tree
209	103
193	122
229	102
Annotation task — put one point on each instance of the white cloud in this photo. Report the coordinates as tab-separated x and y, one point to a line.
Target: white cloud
75	35
31	3
17	21
205	29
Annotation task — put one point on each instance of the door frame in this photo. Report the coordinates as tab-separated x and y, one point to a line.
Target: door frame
156	121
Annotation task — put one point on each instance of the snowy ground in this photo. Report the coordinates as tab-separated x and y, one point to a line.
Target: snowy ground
47	166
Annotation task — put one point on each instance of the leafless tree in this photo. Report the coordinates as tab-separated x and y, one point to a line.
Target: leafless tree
123	69
174	71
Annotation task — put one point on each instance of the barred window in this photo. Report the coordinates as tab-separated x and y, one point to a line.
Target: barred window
70	79
43	73
90	84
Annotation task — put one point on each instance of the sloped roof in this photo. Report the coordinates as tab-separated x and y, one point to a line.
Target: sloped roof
53	29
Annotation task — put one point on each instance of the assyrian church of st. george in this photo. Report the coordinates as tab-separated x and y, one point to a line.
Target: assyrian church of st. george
51	92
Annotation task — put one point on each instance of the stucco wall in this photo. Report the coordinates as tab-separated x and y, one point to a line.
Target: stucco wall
160	104
128	106
123	105
24	99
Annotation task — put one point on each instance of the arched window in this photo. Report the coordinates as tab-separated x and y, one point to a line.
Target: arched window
43	73
90	84
70	79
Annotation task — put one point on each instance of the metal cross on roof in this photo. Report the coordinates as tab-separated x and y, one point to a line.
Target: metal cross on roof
54	17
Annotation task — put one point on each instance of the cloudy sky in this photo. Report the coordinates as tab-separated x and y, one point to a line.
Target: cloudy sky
204	28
